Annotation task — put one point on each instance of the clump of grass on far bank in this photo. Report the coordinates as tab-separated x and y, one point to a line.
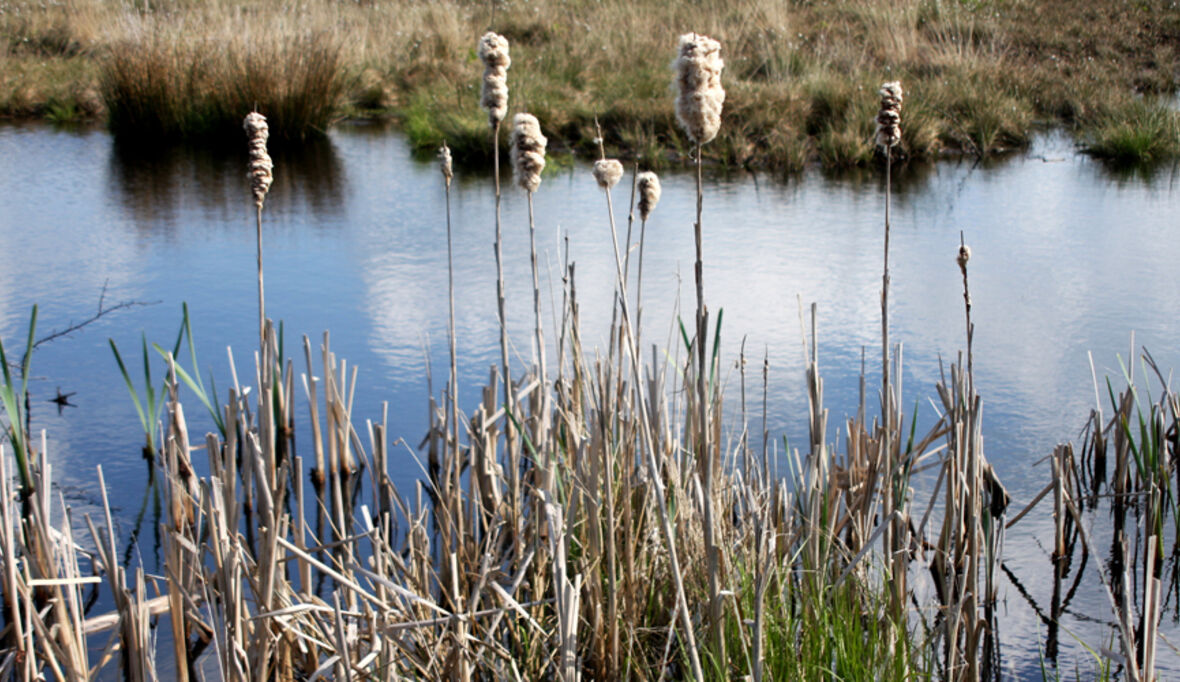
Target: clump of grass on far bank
800	75
1144	131
157	87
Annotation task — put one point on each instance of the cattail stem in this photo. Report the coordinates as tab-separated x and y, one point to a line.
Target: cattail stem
261	294
543	424
964	257
456	469
639	282
509	428
648	185
893	532
885	392
704	451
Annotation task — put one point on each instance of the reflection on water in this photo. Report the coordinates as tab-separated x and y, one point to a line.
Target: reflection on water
1069	258
157	184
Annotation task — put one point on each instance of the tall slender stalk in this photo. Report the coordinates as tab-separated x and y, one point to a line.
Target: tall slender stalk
261	295
257	132
704	451
543	424
888	136
509	426
698	110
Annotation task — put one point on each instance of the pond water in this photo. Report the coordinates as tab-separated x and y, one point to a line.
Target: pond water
1069	258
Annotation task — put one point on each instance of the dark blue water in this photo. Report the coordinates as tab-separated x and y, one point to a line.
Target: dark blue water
1070	258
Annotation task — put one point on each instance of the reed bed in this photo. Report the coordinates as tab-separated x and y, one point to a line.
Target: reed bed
592	523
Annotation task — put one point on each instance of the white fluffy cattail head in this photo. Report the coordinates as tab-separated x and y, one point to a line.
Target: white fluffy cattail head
444	163
699	95
889	116
493	52
649	193
257	132
528	151
963	257
607	172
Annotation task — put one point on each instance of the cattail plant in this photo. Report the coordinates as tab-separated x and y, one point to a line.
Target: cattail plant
261	178
528	152
962	258
698	110
648	185
607	173
493	52
452	462
528	160
888	135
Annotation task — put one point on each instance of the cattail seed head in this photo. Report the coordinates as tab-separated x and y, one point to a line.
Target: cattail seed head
528	151
444	163
889	115
963	257
261	166
493	52
699	95
607	172
649	193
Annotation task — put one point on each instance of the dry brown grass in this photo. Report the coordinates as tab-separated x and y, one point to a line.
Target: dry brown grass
987	71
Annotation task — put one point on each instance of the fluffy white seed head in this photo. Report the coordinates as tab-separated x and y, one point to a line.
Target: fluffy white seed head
444	163
963	257
607	172
699	95
261	167
649	193
493	52
889	115
528	151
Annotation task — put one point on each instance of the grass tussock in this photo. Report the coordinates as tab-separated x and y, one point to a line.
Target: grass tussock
157	87
1145	131
991	71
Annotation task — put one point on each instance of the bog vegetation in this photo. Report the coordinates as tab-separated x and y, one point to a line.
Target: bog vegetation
586	519
801	77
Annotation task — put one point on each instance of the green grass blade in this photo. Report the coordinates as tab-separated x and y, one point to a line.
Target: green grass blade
130	385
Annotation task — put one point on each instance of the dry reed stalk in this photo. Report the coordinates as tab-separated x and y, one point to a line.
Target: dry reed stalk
888	135
698	110
493	52
528	161
453	489
648	186
261	167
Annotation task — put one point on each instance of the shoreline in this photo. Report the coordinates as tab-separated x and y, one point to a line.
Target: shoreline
801	79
